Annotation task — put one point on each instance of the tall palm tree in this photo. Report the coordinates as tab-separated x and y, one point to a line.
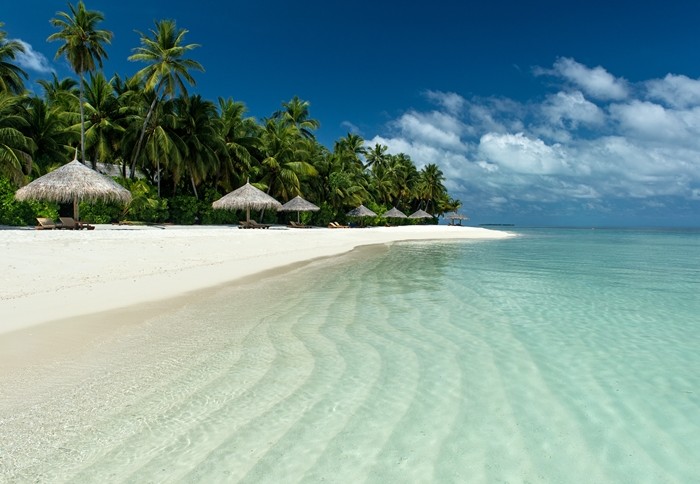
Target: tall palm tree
430	185
10	74
105	120
240	136
376	156
60	93
83	46
284	162
167	69
15	147
50	133
296	113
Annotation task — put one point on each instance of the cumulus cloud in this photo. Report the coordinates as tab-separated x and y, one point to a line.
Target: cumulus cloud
596	82
597	145
32	60
451	101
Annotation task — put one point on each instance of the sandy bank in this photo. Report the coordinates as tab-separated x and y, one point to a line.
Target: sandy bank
51	275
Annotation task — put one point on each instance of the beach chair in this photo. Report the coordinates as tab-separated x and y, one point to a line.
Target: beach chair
298	225
256	225
70	223
46	224
336	225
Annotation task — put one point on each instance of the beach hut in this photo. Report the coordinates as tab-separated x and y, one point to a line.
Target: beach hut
455	218
298	204
361	211
74	182
420	214
394	213
245	198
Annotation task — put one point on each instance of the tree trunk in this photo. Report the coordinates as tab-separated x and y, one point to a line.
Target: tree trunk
82	122
139	143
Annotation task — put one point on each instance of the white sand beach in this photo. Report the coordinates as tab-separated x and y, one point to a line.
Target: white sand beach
56	275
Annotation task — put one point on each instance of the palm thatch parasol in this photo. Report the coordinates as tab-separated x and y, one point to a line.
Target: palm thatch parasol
452	216
394	213
74	182
361	211
246	197
298	204
420	214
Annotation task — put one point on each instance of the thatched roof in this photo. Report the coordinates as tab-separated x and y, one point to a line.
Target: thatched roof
298	204
394	213
420	214
455	216
74	182
361	211
246	197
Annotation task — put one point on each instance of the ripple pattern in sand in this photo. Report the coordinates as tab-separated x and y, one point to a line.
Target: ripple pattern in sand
378	367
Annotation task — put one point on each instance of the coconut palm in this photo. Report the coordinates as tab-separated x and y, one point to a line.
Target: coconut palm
241	139
10	74
296	112
376	156
163	146
60	93
197	125
15	147
167	69
430	185
50	133
83	46
104	119
284	162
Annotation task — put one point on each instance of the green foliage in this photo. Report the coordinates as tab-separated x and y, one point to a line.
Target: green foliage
13	212
101	212
211	216
145	205
326	215
184	209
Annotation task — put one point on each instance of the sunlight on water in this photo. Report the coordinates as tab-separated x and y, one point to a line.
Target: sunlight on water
558	356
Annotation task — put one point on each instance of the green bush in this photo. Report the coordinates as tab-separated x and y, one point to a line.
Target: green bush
145	206
101	212
184	209
13	212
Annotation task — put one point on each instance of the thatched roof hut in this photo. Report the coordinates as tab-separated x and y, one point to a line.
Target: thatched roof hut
74	182
361	211
420	214
245	198
394	213
298	204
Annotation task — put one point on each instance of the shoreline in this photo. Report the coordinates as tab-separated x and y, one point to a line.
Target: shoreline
58	275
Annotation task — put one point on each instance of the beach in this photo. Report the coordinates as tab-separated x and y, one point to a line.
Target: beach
53	275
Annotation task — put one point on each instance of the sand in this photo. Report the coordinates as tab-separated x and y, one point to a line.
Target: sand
60	274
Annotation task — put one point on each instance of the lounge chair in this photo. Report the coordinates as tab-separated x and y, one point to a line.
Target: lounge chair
71	224
298	225
251	224
46	224
336	225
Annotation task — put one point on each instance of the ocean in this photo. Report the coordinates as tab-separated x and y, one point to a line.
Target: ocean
560	355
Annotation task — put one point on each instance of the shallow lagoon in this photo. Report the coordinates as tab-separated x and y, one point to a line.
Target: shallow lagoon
558	356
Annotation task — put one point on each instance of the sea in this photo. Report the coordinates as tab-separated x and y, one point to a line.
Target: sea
560	355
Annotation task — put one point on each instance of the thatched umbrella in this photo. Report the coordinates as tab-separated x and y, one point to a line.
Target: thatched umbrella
394	213
298	204
361	211
420	214
247	197
452	216
74	182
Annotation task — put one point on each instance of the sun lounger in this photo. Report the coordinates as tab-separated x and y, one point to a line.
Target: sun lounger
336	225
252	224
46	224
298	225
70	223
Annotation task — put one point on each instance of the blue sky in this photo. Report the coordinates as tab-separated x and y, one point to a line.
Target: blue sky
538	113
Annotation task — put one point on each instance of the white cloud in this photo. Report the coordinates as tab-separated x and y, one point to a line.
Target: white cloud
677	91
566	153
350	127
32	60
451	101
596	81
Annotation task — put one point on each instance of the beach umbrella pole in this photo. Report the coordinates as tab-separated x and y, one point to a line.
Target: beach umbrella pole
76	208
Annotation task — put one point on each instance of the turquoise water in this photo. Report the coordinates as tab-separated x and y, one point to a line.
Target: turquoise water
561	355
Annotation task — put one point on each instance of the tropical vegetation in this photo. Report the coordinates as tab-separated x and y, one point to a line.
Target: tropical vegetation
176	151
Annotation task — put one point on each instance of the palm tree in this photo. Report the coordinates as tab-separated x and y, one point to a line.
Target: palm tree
167	69
10	74
15	147
296	113
430	185
83	46
105	120
241	137
284	162
376	156
50	133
